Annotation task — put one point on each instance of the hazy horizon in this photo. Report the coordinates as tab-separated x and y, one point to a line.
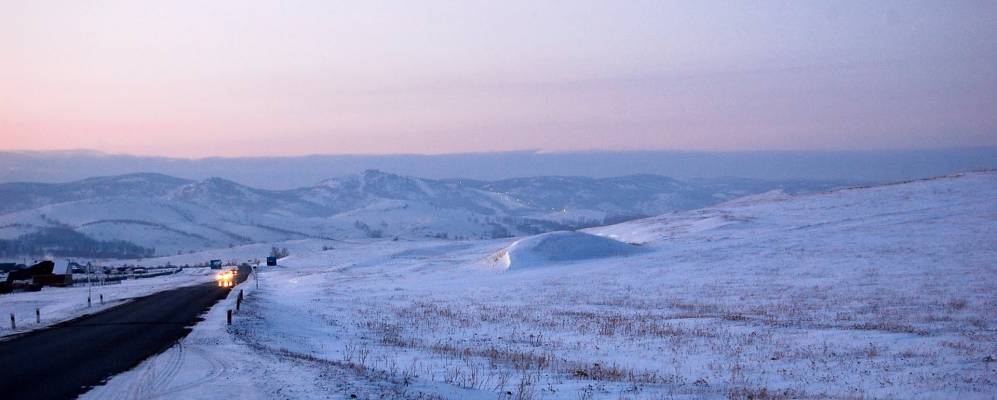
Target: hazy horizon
259	78
300	171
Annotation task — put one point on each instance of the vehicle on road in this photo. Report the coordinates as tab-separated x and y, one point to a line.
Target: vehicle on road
226	278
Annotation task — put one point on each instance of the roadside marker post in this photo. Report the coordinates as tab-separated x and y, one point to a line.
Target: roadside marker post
102	298
89	283
38	316
13	326
229	317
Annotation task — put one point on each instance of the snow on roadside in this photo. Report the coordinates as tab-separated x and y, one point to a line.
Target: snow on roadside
60	304
206	364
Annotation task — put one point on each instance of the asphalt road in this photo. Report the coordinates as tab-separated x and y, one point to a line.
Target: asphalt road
65	360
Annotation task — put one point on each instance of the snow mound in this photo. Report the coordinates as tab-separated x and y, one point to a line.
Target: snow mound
560	247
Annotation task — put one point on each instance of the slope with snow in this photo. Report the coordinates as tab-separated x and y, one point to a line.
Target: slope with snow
879	292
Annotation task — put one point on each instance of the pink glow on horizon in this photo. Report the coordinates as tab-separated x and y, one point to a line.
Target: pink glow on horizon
254	77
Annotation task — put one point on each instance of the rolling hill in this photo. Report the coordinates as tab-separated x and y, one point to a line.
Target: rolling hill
172	215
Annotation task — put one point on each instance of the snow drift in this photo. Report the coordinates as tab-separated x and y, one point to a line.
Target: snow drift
560	247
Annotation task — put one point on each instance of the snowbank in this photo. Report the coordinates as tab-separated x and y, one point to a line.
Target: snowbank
559	247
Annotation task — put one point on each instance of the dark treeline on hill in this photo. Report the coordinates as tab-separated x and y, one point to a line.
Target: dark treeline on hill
65	242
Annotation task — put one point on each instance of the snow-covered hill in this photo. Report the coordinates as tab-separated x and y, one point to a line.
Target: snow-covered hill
878	292
175	215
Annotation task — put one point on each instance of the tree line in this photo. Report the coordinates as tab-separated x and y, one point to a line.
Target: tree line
65	242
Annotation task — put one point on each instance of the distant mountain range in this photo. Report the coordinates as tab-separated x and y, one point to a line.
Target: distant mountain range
166	215
282	173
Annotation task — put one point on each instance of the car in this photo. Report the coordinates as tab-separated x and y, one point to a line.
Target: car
226	278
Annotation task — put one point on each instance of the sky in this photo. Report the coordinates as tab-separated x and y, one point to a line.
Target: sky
277	78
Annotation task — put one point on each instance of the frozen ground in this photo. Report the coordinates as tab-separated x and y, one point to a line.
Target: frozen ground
60	304
883	292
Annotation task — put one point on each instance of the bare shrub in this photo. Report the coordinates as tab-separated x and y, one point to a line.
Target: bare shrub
957	304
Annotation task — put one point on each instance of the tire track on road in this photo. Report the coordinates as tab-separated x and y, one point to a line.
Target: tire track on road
117	339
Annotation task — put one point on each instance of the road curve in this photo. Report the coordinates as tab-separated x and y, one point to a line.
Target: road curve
65	360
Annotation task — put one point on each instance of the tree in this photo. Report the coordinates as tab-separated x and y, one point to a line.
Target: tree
279	253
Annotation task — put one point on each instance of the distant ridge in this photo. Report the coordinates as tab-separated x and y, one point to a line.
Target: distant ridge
172	215
291	172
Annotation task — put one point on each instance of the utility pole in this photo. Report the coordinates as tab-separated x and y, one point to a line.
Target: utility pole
89	282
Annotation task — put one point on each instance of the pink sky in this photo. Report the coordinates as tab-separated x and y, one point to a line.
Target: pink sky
233	78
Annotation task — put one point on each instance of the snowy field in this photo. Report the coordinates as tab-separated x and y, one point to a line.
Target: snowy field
883	292
60	304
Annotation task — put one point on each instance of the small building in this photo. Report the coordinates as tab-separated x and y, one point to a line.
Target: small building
61	275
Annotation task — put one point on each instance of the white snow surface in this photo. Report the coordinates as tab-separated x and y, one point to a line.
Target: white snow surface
560	248
881	292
